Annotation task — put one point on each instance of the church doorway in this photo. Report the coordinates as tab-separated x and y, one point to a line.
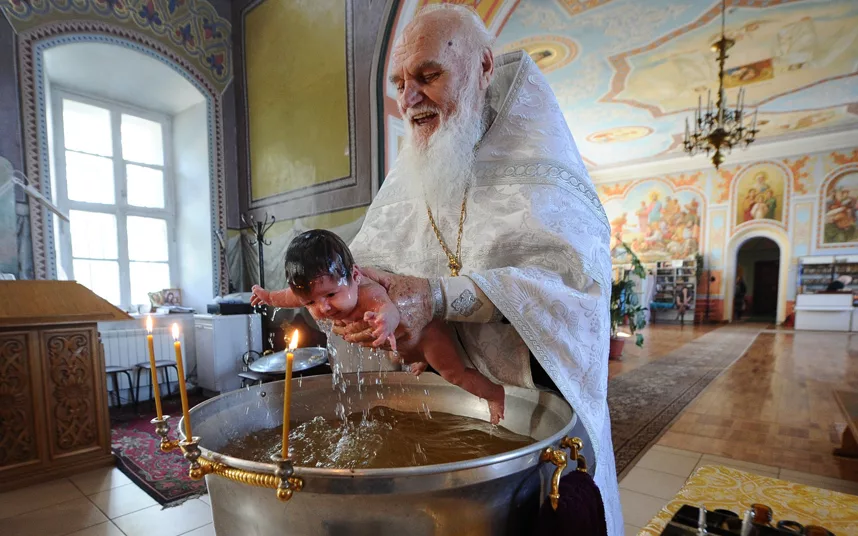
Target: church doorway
758	263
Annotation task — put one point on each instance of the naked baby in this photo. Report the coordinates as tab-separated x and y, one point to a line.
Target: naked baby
322	277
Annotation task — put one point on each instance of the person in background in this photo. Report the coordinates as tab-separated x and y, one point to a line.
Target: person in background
739	298
839	284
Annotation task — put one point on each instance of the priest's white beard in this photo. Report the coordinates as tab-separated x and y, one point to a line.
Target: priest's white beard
440	171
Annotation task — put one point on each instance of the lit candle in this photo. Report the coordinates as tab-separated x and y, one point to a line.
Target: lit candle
287	395
156	391
183	389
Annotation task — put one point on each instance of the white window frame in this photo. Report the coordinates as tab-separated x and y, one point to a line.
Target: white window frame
121	209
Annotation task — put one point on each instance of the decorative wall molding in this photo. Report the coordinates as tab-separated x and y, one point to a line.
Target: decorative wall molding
364	20
191	29
32	44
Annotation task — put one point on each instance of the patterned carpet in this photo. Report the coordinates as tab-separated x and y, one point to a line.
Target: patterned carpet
164	476
646	400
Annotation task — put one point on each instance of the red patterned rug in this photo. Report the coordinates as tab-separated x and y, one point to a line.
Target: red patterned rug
164	476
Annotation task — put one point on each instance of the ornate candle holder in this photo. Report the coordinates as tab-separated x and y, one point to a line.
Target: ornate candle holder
283	480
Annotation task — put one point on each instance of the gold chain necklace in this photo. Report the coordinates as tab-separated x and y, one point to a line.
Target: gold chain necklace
454	260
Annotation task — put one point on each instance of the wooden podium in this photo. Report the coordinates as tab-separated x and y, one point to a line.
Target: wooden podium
53	396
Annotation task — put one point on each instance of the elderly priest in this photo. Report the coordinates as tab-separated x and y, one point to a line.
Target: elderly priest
489	221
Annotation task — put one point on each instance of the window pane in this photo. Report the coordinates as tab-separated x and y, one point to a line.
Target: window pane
145	186
89	178
142	140
101	277
148	277
147	239
87	128
93	235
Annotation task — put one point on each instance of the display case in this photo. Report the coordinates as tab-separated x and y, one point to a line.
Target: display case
675	284
817	272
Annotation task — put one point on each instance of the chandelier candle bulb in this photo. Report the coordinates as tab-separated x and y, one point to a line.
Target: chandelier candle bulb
156	391
183	389
287	395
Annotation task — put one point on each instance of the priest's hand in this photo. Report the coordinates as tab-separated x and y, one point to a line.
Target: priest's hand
410	295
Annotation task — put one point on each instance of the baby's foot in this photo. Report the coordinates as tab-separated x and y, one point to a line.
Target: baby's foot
496	405
418	367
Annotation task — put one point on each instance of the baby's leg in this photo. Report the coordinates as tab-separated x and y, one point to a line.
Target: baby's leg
440	352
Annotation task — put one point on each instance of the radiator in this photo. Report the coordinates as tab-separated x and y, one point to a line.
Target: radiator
127	347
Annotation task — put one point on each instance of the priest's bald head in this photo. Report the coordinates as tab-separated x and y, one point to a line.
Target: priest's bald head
442	66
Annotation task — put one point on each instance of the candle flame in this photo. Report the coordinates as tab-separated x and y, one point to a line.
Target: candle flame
294	342
175	332
149	323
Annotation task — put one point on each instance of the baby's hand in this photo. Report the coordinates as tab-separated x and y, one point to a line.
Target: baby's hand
382	328
260	296
418	367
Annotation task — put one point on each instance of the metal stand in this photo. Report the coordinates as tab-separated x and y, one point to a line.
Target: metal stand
259	228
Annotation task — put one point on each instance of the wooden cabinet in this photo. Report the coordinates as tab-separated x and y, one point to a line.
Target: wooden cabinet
53	407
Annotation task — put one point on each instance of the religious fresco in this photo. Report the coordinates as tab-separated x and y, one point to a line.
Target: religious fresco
619	134
657	222
783	50
788	57
760	194
777	124
777	53
550	52
297	103
840	210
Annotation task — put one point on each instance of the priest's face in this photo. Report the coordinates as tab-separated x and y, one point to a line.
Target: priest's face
431	76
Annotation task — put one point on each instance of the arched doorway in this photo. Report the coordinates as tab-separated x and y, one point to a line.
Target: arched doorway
758	263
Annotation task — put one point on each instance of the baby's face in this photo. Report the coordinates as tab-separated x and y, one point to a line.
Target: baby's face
330	297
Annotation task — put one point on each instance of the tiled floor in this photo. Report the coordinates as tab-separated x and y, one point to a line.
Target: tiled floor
100	503
774	406
662	471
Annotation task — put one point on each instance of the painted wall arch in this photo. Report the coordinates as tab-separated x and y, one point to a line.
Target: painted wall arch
32	42
761	193
765	230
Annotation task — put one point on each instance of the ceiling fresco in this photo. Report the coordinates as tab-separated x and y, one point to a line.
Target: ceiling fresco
628	72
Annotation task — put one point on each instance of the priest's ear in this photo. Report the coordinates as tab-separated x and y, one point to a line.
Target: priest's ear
487	68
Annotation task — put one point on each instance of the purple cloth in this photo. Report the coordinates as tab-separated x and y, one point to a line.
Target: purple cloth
579	511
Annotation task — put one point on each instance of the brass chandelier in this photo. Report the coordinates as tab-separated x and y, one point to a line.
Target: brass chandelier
719	130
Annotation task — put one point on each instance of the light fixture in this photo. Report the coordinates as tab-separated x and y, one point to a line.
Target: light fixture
720	129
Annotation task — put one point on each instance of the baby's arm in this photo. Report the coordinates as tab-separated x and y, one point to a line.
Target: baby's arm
380	313
277	298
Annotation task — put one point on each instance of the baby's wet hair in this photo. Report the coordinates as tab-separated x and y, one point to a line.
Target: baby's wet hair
314	254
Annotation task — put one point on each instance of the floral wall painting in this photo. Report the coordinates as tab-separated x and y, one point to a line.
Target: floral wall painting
839	209
760	194
657	222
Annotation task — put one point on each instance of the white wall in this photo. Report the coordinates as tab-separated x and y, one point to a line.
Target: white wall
193	206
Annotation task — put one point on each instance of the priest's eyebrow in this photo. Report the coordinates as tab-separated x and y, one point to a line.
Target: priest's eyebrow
424	66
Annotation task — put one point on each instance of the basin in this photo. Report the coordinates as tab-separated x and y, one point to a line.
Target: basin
494	495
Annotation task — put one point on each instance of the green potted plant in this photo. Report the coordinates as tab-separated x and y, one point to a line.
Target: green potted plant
625	307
